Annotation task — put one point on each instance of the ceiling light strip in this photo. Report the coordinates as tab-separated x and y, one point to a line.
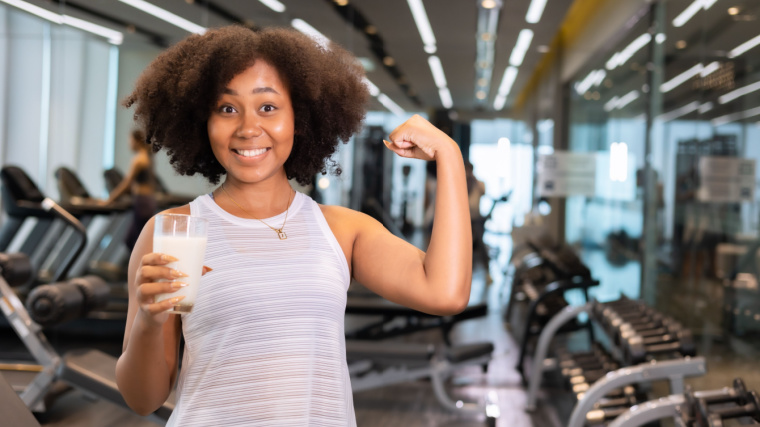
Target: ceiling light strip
510	74
521	47
304	27
730	96
423	25
274	5
620	58
691	10
113	36
390	105
749	44
445	96
728	118
681	78
437	69
678	112
535	10
166	16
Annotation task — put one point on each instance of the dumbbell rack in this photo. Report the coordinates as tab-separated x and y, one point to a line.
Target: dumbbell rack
673	371
692	409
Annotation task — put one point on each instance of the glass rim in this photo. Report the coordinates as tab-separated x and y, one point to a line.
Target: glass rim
181	215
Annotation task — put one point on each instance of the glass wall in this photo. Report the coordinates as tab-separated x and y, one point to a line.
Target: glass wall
676	101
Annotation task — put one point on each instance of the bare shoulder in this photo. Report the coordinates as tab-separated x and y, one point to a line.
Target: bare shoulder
345	217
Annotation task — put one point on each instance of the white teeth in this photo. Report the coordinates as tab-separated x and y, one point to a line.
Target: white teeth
251	153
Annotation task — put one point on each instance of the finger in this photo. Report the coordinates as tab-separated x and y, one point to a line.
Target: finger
403	152
154	273
155	258
206	269
147	291
160	307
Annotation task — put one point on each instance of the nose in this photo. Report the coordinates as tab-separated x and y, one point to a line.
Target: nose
249	126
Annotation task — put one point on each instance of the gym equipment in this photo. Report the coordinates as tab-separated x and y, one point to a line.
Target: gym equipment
379	364
591	394
90	371
399	320
164	198
106	226
693	408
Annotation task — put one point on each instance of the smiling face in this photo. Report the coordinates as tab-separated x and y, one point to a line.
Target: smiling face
252	125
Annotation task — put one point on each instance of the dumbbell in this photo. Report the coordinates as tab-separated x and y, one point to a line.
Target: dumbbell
748	405
665	325
642	320
581	382
60	302
636	348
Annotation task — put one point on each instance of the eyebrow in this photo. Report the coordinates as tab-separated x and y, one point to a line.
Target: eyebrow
265	89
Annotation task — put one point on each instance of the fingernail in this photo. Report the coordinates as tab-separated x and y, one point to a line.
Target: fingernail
208	269
177	299
177	285
168	258
177	273
387	143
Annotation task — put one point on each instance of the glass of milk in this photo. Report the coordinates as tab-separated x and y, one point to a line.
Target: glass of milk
184	238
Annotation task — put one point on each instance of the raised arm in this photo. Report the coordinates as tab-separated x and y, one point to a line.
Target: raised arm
437	281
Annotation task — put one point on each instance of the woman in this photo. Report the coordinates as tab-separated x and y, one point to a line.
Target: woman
139	182
264	344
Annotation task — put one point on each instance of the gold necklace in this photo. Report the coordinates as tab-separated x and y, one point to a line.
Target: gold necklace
281	234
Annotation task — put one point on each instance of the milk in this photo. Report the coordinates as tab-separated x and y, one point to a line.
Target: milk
189	252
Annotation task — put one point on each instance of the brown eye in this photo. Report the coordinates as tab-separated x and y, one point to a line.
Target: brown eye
227	109
267	108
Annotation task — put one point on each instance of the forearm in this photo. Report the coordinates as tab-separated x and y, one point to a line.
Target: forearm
142	374
448	261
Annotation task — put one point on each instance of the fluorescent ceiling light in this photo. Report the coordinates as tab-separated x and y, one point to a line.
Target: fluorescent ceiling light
437	69
619	103
627	99
660	38
730	96
521	47
165	15
728	118
390	105
749	44
678	112
535	10
113	36
423	25
304	27
373	90
698	69
274	5
619	161
707	106
620	58
499	101
594	78
692	10
510	74
445	95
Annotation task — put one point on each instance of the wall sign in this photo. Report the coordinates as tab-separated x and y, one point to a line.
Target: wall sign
566	174
726	179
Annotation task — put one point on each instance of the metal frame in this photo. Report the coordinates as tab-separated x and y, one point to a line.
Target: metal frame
672	370
438	369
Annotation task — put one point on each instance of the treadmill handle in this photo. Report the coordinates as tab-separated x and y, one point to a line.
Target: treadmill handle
51	206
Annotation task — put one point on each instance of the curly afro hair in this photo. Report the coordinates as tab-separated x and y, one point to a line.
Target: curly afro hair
175	95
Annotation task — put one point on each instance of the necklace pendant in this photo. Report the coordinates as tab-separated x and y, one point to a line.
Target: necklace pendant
281	234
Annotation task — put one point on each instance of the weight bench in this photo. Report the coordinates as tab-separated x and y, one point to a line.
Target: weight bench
13	410
399	320
379	364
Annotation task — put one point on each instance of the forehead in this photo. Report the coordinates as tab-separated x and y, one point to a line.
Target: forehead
260	74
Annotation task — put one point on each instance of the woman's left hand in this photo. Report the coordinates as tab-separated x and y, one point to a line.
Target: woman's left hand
417	138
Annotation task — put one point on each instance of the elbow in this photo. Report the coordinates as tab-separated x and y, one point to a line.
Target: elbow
455	302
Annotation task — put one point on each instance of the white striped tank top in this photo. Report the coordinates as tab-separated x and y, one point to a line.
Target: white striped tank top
265	344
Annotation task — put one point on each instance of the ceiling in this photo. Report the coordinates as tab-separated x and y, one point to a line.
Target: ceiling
454	23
